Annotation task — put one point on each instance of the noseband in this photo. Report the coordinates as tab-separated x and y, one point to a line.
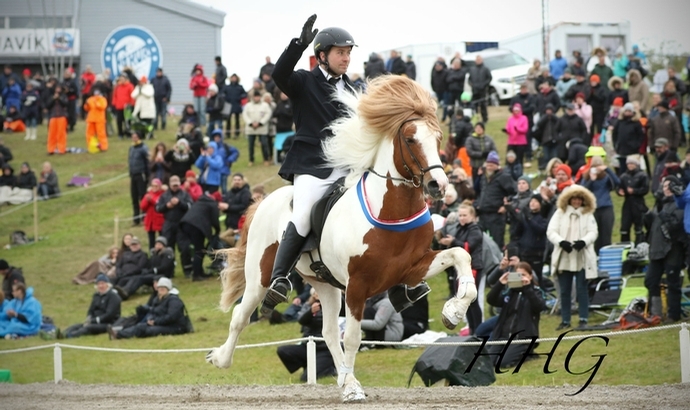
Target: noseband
415	179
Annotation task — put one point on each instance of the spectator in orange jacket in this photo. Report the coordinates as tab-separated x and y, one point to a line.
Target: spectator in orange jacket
95	120
199	85
191	186
122	97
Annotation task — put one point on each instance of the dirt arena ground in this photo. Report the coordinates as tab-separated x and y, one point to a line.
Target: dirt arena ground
72	396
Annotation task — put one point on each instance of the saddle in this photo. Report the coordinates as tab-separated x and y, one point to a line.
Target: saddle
319	213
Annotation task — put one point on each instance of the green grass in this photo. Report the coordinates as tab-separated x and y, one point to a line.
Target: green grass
79	228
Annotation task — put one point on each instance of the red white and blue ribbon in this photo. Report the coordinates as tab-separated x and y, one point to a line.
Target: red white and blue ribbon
398	225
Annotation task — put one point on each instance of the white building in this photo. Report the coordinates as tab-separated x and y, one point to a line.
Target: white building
49	35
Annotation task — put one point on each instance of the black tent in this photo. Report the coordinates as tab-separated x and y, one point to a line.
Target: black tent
450	363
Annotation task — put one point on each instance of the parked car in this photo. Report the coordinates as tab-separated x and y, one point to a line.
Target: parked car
508	71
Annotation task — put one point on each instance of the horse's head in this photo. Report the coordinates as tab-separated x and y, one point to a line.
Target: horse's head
416	155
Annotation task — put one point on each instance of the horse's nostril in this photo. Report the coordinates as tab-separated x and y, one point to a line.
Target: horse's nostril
432	185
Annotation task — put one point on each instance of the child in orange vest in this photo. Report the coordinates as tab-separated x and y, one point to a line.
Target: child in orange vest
95	120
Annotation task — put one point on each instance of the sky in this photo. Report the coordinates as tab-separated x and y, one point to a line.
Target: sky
253	31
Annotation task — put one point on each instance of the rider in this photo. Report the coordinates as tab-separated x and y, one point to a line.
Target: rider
313	110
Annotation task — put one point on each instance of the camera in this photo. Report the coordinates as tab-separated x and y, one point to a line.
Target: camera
514	280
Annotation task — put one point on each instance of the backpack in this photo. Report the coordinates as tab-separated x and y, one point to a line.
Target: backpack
18	238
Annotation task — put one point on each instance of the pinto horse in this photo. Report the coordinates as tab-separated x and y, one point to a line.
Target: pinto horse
376	236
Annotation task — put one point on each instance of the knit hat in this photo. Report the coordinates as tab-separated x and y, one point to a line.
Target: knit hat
629	107
579	72
174	180
672	157
580	95
26	71
493	158
189	174
570	106
162	240
536	196
526	179
183	141
518	106
102	278
217	131
213	88
165	283
618	102
595	78
4	265
663	103
511	153
143	79
156	181
548	106
632	159
566	169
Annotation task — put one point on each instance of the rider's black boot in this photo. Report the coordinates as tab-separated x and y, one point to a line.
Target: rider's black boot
403	297
286	258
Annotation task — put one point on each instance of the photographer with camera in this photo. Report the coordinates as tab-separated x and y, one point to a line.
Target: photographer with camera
521	303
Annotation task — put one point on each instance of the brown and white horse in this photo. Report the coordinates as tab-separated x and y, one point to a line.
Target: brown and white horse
376	236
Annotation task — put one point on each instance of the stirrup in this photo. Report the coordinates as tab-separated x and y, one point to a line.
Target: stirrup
403	297
277	293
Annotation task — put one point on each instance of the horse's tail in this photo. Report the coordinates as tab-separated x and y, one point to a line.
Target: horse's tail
232	276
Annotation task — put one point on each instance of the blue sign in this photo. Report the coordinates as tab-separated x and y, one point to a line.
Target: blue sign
134	47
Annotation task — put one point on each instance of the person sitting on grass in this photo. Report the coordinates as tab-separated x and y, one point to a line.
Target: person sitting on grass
130	264
380	320
161	263
22	316
165	317
104	311
48	186
104	264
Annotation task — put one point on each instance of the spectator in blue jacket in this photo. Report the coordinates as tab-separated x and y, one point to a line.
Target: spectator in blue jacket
601	180
558	65
228	154
210	165
22	316
12	94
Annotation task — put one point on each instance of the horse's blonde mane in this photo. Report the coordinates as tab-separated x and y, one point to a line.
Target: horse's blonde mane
373	117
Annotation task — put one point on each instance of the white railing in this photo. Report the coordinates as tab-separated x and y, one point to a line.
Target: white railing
684	335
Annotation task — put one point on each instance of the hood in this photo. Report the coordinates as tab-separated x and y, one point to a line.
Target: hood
588	205
147	90
213	145
373	58
634	75
614	79
7	166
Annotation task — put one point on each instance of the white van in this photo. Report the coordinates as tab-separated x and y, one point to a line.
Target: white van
508	71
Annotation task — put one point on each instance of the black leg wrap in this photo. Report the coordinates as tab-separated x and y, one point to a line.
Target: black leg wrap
403	297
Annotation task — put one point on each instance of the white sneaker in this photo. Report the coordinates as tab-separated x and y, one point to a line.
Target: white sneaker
28	134
33	134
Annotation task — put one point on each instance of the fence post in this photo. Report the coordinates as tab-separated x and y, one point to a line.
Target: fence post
684	353
57	363
311	361
35	190
115	230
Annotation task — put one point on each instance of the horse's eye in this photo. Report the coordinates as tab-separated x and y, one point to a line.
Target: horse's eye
410	140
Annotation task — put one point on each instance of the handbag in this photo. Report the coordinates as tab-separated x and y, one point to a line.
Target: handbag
227	109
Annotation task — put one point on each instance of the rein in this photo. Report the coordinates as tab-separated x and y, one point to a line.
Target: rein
415	179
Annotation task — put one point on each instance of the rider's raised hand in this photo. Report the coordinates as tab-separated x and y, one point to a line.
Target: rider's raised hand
307	34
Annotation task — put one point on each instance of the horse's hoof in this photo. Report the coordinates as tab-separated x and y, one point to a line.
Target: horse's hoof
447	323
212	357
354	393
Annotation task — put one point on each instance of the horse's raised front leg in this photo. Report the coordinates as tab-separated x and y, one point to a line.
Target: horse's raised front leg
222	356
352	389
455	308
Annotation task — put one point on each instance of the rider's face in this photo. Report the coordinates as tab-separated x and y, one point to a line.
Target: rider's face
339	59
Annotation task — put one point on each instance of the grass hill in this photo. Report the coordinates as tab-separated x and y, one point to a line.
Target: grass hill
79	227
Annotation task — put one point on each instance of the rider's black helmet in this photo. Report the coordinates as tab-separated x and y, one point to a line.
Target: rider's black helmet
329	37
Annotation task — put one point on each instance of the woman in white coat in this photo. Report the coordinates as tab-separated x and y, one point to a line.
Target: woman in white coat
144	104
573	230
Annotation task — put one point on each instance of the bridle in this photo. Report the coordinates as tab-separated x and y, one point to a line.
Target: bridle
415	179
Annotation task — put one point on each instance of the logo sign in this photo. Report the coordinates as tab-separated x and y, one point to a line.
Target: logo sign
63	42
134	47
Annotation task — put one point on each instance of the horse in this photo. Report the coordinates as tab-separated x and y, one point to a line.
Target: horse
376	236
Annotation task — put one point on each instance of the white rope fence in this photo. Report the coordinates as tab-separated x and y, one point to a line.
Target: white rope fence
684	334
